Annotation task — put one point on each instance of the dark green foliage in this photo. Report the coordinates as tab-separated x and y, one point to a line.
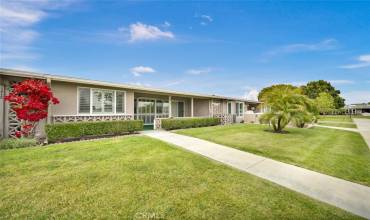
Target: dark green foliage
62	131
314	88
180	123
12	143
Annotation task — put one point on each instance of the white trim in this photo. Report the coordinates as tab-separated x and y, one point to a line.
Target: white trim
29	74
192	107
237	109
93	115
125	104
170	106
231	107
91	102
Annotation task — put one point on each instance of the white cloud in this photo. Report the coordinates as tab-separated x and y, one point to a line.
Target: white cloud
139	70
328	44
199	71
166	24
363	61
356	96
205	20
144	32
341	81
252	95
16	26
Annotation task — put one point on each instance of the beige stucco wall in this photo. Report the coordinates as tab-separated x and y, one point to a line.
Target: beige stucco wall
187	105
201	107
67	95
130	102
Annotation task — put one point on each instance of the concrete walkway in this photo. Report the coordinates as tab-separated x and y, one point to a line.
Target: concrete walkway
363	126
337	122
350	196
338	128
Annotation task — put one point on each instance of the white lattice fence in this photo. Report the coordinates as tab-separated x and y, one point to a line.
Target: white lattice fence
225	118
14	124
80	118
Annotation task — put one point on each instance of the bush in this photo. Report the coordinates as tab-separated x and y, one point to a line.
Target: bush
78	130
12	143
179	123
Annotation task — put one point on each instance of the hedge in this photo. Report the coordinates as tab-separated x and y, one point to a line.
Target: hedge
179	123
80	130
12	143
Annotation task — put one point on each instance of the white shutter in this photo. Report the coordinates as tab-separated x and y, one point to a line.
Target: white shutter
120	102
84	100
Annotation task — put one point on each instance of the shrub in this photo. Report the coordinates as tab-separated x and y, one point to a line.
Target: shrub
179	123
12	143
78	130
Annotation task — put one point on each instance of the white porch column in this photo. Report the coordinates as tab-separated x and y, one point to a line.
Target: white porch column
169	106
192	107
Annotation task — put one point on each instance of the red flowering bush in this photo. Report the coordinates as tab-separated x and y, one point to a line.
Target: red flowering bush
30	100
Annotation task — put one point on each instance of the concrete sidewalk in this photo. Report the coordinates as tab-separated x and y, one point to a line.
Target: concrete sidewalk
363	126
338	128
350	196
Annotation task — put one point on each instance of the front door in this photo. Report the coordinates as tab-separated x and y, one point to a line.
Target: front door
180	109
146	110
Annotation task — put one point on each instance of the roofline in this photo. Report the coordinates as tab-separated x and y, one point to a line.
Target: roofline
29	74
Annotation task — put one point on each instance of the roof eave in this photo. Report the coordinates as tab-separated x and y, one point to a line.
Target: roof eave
21	73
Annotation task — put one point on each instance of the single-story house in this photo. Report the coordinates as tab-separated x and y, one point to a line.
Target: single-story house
359	108
91	100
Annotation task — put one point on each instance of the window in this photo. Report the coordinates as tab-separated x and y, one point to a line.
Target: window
241	111
120	102
229	108
239	108
162	107
99	101
84	100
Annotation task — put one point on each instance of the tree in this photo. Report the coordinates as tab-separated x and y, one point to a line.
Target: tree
325	103
314	88
266	90
307	112
30	100
286	103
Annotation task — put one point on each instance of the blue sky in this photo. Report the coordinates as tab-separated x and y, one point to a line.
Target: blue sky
223	48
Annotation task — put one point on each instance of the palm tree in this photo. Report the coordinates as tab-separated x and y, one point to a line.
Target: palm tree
285	104
305	113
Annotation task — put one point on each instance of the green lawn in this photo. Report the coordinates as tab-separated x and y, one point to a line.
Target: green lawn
138	177
362	116
338	124
343	154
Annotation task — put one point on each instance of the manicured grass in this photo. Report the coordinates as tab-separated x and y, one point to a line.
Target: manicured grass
338	124
362	116
138	177
343	154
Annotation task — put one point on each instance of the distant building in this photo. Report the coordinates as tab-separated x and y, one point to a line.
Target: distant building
360	108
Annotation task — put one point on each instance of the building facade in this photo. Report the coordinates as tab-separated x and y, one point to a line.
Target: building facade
90	100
